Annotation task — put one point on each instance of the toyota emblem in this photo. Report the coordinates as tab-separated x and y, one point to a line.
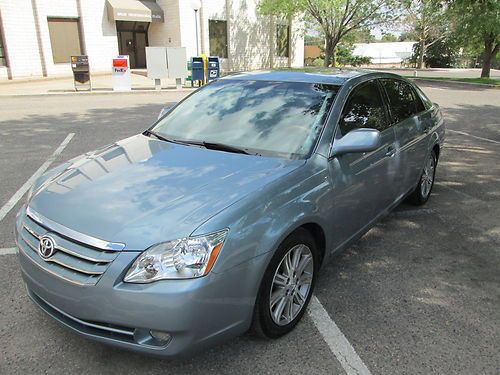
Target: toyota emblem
46	247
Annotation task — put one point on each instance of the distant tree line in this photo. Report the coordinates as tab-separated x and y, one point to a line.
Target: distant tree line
446	31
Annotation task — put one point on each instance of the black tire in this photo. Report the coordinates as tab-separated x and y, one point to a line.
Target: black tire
417	197
263	324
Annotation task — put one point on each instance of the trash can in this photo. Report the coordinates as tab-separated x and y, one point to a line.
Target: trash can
197	70
213	68
81	72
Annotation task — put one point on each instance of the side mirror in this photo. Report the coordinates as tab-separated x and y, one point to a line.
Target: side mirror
165	110
357	140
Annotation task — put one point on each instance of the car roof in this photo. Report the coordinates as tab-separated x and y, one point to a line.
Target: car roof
335	77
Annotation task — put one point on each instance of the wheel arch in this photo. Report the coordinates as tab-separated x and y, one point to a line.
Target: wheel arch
318	234
437	149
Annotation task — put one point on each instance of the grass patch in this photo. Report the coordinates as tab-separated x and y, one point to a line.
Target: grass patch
486	81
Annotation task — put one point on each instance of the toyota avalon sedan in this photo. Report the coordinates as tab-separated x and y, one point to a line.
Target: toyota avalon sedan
217	219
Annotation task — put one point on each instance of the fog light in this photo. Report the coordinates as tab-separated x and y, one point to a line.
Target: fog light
161	337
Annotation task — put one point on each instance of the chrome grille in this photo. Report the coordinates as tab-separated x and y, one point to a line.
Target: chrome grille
73	261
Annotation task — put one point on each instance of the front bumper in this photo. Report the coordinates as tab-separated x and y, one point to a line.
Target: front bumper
196	312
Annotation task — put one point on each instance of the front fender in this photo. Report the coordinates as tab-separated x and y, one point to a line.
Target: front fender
260	222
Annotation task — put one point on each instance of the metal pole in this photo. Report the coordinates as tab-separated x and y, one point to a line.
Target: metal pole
196	26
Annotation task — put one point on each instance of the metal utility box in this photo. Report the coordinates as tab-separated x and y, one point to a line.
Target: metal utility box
176	61
197	69
156	62
81	72
213	68
166	62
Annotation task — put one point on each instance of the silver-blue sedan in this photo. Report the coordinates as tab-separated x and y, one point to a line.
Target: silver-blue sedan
218	218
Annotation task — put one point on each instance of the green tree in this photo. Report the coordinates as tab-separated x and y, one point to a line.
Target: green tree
407	36
441	54
478	22
335	18
388	37
428	22
345	56
362	35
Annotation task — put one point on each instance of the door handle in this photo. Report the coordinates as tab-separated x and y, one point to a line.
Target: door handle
390	151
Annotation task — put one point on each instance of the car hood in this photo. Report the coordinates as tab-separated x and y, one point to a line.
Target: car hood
141	191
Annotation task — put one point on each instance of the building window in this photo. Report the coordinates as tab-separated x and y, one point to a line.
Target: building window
3	58
64	39
282	40
217	35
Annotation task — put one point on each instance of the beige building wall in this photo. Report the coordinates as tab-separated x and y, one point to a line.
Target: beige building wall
27	38
168	33
251	36
20	36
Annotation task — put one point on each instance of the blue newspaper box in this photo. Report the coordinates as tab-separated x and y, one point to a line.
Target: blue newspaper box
197	69
213	68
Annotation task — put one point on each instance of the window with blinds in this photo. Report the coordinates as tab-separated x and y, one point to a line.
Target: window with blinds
217	35
64	39
282	40
3	58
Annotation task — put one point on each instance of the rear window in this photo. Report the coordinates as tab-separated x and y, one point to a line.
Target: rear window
402	99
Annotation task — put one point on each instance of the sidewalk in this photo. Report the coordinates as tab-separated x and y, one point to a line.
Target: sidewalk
101	83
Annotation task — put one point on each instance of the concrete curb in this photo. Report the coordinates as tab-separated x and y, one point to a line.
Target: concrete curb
98	92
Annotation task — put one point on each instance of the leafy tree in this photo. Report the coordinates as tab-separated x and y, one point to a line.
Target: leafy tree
428	22
389	38
478	22
407	36
345	56
441	54
335	18
362	35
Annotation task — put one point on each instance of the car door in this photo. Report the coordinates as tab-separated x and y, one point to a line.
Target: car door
362	183
410	132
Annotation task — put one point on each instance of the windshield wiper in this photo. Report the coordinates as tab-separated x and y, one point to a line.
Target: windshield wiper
178	141
223	147
209	145
156	135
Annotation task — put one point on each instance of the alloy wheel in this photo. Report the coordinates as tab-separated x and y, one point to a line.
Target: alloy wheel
428	176
291	284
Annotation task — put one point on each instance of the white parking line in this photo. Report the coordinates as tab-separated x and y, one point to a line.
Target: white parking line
337	342
23	189
473	136
8	251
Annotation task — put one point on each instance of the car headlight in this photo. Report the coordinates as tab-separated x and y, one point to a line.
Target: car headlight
185	258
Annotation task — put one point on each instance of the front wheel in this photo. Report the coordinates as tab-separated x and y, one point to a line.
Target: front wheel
287	286
423	190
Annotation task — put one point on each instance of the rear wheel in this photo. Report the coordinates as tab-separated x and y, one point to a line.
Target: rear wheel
287	286
423	190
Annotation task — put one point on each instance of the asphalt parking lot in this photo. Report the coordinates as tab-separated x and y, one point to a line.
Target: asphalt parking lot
418	294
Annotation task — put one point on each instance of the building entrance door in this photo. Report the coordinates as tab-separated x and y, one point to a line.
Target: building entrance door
132	41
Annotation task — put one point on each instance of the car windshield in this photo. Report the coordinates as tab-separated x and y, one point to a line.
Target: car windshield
260	117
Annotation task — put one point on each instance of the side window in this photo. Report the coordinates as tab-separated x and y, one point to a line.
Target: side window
401	99
427	102
364	109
